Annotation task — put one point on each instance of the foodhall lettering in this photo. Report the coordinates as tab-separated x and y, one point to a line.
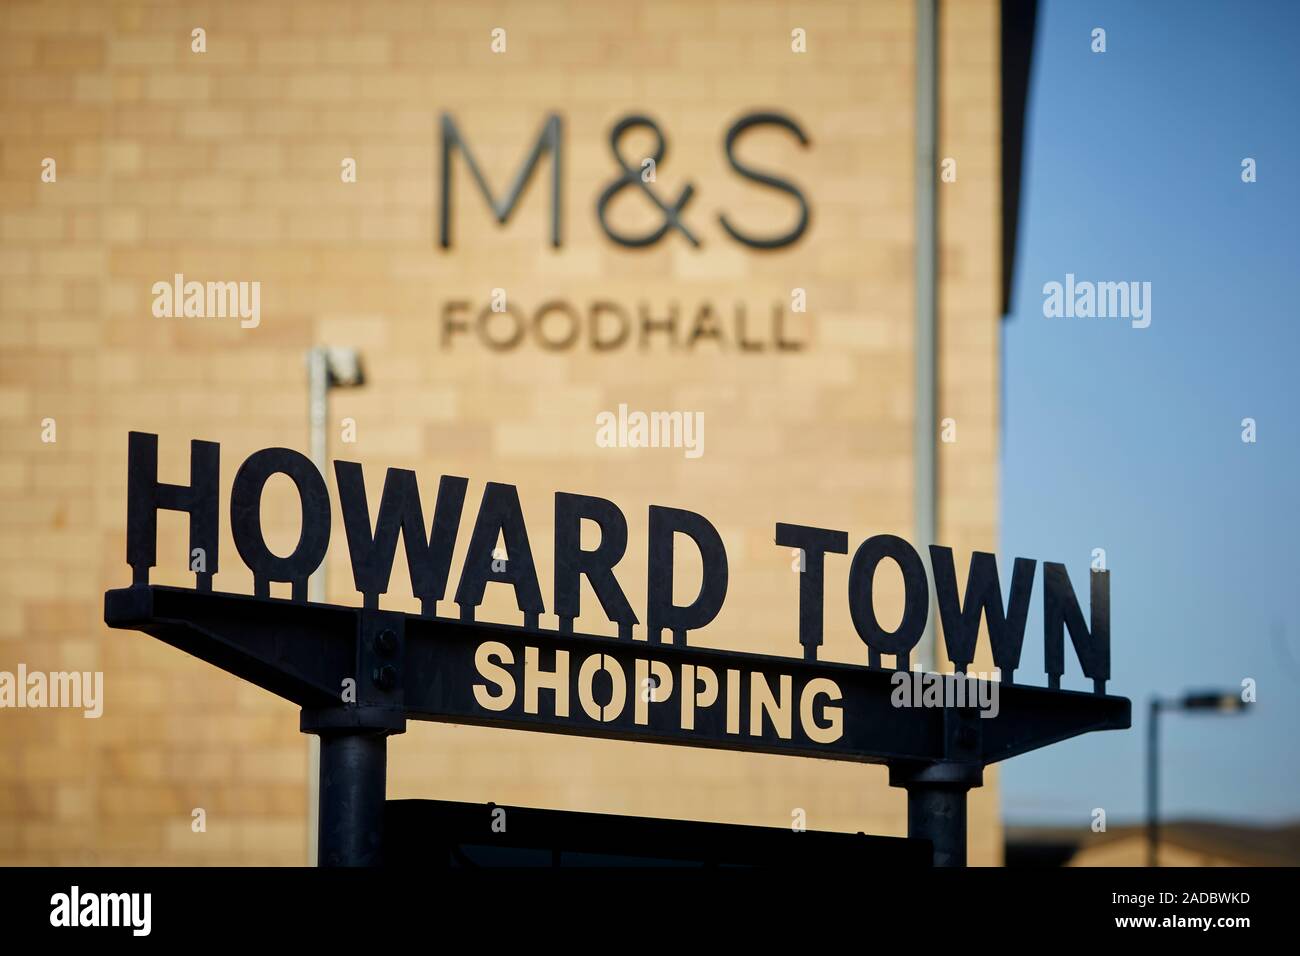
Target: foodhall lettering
605	326
740	695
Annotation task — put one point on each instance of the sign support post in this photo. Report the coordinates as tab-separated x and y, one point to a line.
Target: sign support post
354	744
353	775
936	805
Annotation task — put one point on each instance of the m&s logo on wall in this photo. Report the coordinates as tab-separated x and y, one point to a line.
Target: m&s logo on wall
603	325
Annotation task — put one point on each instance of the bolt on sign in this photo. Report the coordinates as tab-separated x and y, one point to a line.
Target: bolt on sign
659	690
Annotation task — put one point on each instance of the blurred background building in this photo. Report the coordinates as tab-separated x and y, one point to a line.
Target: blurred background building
1182	843
226	165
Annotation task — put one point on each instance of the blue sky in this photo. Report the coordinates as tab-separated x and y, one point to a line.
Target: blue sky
1131	439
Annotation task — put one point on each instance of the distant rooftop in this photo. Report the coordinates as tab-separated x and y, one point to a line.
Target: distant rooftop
1232	843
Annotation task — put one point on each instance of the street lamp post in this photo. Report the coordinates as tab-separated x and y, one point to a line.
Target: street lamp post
1223	702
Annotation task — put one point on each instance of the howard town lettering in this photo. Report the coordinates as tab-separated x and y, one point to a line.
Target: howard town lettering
429	546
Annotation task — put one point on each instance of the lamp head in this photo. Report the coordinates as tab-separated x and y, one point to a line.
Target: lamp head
1225	702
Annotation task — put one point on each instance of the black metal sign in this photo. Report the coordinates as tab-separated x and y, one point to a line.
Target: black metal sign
360	672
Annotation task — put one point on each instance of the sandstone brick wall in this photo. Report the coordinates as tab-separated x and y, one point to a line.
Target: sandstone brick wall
225	165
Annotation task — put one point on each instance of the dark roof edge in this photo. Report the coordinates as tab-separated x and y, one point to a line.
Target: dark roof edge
1018	19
